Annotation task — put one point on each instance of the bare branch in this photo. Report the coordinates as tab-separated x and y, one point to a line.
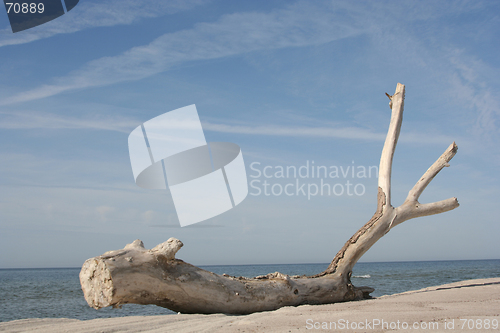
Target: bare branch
385	168
137	275
429	175
413	209
435	207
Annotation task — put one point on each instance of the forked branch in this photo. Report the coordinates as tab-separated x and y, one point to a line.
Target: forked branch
137	275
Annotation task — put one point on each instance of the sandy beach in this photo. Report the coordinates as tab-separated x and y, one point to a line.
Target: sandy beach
472	305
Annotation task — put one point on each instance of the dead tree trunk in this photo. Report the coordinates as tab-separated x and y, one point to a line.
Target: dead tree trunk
137	275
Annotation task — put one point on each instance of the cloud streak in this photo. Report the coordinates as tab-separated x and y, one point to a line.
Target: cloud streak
36	120
114	123
298	25
339	132
356	133
471	89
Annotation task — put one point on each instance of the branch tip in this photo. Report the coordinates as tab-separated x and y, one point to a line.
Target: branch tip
434	169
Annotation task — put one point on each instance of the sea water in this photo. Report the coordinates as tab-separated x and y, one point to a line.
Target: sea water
56	292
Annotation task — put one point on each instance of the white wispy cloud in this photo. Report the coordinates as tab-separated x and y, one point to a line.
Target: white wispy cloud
117	123
103	13
473	85
41	120
339	132
462	78
297	131
298	25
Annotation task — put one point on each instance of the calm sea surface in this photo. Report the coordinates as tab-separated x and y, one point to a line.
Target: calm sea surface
56	293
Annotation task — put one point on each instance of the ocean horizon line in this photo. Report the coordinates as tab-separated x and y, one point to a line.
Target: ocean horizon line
278	264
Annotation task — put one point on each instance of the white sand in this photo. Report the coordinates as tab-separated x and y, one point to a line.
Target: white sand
430	309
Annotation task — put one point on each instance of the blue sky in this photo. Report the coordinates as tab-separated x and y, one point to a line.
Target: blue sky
290	83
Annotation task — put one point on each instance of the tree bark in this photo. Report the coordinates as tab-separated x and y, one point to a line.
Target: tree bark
137	275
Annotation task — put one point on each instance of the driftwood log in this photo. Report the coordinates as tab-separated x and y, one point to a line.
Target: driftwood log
137	275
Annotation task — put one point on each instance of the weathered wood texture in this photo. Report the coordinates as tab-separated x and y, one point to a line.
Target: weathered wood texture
137	275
